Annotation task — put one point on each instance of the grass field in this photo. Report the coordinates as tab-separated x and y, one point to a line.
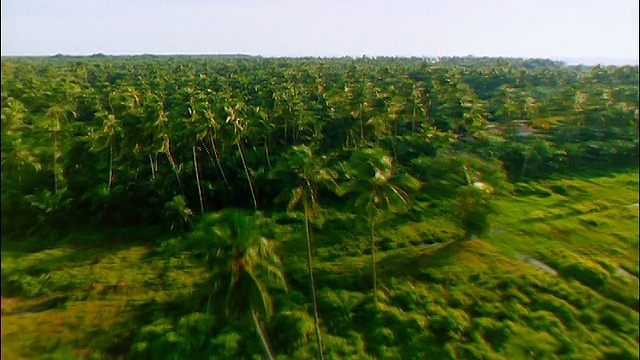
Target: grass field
557	277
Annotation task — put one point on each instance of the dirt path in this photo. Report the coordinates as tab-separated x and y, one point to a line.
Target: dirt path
539	264
625	273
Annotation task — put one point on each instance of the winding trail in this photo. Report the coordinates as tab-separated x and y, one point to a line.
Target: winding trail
625	273
537	263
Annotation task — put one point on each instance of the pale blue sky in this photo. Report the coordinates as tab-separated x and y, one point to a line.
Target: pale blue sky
543	29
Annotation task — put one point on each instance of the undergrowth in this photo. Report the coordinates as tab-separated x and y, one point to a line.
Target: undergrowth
143	293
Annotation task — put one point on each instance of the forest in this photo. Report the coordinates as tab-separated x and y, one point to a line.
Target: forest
238	207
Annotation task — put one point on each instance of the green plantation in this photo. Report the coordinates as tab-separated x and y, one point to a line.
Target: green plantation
211	207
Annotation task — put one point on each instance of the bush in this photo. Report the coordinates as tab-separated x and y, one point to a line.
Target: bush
588	274
558	189
474	208
292	329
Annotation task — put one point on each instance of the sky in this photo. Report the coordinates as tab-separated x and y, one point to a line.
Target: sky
572	30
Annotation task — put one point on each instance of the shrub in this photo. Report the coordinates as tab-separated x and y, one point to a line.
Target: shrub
588	274
292	329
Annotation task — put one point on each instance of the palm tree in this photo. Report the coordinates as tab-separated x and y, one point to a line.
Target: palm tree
300	172
53	121
378	188
17	156
236	125
214	126
196	129
110	132
245	265
415	104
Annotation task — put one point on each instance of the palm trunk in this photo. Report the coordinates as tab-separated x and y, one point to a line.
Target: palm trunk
285	132
373	261
266	150
153	170
393	143
195	167
214	148
361	127
524	163
110	166
313	283
413	121
263	337
55	157
209	303
246	171
55	164
175	171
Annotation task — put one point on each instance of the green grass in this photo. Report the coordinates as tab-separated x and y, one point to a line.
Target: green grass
467	300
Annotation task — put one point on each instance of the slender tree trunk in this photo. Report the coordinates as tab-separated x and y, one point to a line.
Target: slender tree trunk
524	163
413	122
214	148
175	171
395	127
263	337
361	127
195	167
55	157
110	167
155	162
313	282
285	132
393	143
266	150
153	170
246	171
55	164
373	260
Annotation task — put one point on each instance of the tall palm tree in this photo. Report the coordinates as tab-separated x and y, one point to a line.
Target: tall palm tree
17	155
54	122
300	172
378	188
110	132
245	266
235	128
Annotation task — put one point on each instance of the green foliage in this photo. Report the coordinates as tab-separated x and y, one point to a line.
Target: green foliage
112	142
101	134
473	210
581	269
177	212
296	330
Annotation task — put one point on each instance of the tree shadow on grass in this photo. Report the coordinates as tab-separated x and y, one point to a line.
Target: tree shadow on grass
117	339
355	274
75	253
414	261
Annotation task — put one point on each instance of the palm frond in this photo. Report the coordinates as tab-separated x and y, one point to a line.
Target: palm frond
296	196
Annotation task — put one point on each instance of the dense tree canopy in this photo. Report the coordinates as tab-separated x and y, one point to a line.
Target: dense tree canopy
185	143
114	139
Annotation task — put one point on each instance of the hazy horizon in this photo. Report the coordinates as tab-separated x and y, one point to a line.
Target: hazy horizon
572	31
568	61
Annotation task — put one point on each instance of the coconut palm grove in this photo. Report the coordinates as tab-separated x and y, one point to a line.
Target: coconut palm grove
239	207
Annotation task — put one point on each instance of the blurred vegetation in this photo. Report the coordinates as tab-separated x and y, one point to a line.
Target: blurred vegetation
241	208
